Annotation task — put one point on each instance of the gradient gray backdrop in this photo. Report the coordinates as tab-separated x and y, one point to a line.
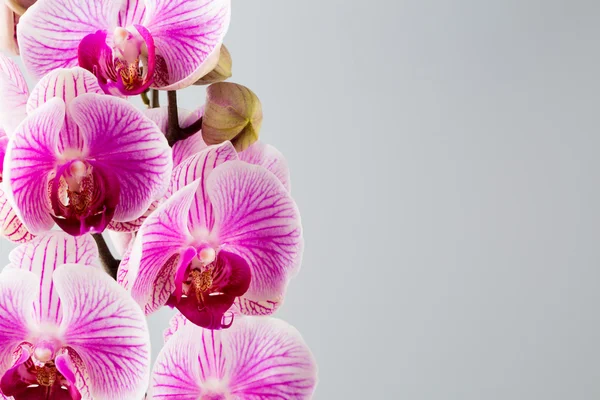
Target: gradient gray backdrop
444	158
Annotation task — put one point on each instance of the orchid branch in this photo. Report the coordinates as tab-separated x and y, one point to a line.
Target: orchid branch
155	99
175	132
145	99
110	263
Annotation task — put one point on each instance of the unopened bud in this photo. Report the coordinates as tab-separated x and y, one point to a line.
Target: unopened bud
232	112
221	72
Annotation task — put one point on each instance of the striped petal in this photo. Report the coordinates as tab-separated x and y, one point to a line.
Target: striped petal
11	226
30	159
105	327
50	32
14	94
43	256
199	167
18	290
66	84
256	218
246	306
157	250
121	141
188	35
269	157
256	359
132	12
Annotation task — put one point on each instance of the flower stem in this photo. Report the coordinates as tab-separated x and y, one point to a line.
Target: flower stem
176	133
155	99
145	99
16	7
110	263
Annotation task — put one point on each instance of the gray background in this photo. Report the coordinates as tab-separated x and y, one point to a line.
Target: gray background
443	155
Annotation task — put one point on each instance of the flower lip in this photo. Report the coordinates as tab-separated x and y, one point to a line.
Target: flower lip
32	378
128	68
83	197
206	291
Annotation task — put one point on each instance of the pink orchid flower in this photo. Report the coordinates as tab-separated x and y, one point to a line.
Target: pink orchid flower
129	45
83	159
67	330
257	358
230	232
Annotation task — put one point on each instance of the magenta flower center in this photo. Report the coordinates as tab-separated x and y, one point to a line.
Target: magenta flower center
125	69
83	198
207	283
36	376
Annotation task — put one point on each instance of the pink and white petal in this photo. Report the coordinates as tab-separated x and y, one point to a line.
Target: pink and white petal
184	149
255	359
175	323
18	292
14	94
269	157
267	359
50	32
11	226
43	256
125	275
188	35
192	359
66	84
132	12
30	160
156	251
246	306
199	167
107	329
256	218
134	225
121	140
121	241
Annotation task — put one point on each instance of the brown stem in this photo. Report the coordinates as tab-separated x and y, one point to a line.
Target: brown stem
110	263
145	99
155	99
176	133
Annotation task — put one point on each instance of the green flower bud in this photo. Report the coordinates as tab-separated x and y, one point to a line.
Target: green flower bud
232	112
221	72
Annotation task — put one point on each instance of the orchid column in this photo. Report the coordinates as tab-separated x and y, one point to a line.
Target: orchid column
199	210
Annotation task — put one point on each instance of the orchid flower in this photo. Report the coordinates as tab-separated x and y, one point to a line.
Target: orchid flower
229	231
129	45
67	330
257	358
83	159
